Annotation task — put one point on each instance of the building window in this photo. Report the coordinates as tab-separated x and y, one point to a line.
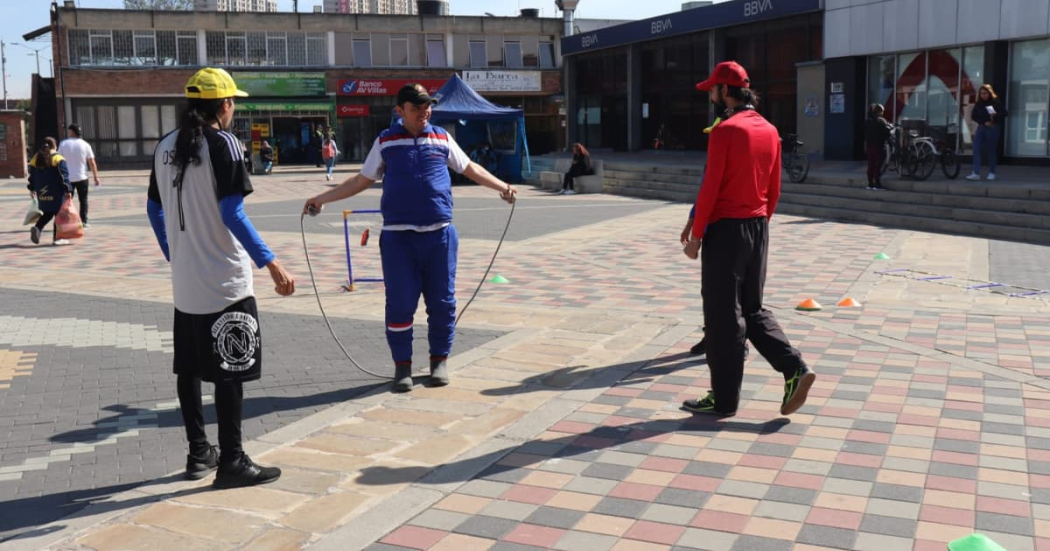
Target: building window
256	48
145	48
399	50
101	47
186	42
215	44
236	48
436	52
277	48
79	47
512	55
316	49
478	55
547	55
362	53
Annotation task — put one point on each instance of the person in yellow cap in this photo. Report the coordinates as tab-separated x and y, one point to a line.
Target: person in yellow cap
199	180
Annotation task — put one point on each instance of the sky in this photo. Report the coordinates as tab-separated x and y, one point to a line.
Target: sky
33	14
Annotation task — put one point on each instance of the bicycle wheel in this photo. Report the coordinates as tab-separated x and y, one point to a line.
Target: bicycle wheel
925	161
950	164
887	156
798	167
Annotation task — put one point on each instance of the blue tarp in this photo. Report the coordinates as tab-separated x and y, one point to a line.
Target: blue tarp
459	103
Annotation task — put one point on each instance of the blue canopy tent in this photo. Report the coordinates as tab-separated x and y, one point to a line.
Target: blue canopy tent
479	120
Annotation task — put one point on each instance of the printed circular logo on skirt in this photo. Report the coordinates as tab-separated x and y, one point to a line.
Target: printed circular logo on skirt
235	338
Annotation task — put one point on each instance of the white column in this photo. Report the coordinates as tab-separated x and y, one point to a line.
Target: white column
331	48
202	48
449	50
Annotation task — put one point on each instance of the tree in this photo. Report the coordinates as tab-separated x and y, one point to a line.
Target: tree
182	5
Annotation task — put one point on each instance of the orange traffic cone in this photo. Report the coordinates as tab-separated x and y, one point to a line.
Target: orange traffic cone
848	302
808	305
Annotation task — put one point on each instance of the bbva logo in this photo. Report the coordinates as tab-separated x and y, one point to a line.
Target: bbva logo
756	7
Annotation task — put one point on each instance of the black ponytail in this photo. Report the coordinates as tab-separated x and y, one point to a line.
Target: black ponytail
746	96
198	114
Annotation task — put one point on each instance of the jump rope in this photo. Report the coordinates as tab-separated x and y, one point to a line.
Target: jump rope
317	293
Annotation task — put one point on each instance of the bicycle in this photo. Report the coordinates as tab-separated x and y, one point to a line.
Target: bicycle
920	156
794	163
950	163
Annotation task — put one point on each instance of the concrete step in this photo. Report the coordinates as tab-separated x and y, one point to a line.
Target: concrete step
649	170
648	176
898	193
940	186
876	202
920	223
651	185
659	195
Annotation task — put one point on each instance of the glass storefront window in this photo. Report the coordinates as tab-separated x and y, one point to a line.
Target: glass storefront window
1029	98
942	105
972	79
882	71
911	87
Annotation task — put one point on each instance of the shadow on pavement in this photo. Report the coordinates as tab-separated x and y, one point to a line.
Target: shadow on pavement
34	511
588	446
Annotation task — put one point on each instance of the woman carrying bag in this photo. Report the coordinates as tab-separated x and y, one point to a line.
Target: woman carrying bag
49	184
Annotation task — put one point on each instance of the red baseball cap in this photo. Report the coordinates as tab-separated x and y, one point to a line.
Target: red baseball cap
729	73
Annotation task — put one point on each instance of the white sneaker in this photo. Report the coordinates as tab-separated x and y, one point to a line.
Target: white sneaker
562	191
87	226
328	177
570	192
973	176
991	176
60	242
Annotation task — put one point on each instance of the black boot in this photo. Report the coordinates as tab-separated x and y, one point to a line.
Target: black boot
438	371
402	376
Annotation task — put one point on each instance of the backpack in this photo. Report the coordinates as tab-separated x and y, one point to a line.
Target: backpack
328	150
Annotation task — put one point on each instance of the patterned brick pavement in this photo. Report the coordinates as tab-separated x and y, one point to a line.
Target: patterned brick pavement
930	420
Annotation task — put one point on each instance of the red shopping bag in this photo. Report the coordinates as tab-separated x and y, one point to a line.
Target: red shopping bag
68	221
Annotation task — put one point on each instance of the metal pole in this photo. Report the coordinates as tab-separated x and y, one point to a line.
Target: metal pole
3	69
37	52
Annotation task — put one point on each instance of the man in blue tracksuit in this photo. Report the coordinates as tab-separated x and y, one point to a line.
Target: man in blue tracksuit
418	245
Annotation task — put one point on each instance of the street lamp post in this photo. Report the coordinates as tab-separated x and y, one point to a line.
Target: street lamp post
36	52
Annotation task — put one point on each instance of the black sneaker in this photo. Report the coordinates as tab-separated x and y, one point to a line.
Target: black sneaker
705	405
244	472
199	466
402	377
438	372
796	389
34	235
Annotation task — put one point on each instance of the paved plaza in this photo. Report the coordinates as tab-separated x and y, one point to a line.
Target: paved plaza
930	418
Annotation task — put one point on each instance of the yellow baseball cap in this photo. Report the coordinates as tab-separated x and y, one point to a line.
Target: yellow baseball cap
212	83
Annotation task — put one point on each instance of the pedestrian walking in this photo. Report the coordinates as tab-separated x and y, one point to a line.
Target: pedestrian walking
49	183
418	246
79	158
988	112
329	151
739	195
196	208
581	166
266	156
876	131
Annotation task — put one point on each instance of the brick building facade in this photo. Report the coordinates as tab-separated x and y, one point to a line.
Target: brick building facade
120	73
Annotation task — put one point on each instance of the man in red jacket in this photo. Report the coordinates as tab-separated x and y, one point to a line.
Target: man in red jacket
738	196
